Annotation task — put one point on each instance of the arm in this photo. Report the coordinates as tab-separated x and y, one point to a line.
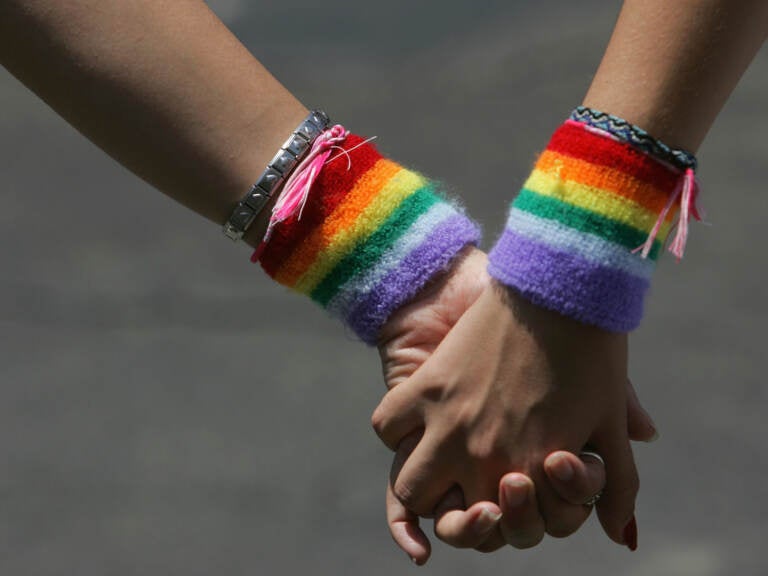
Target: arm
161	86
669	68
167	91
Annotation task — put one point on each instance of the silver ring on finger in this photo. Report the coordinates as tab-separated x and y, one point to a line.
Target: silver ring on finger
592	500
591	454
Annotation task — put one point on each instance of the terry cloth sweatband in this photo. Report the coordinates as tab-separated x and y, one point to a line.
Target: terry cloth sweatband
583	236
370	236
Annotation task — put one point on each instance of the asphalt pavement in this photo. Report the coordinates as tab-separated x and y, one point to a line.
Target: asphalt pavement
149	427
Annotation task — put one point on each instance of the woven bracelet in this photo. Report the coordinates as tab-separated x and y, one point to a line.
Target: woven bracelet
634	135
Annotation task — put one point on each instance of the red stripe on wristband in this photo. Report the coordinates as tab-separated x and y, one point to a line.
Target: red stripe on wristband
334	182
579	142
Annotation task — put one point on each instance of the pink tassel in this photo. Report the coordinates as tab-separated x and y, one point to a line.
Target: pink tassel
297	187
687	191
687	208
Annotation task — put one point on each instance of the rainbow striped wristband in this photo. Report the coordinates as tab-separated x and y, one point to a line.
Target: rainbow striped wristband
573	237
371	235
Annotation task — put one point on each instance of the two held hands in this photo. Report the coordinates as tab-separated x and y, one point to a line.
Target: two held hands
490	400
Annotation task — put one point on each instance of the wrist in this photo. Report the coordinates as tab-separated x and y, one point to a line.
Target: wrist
468	270
584	233
549	324
442	300
371	235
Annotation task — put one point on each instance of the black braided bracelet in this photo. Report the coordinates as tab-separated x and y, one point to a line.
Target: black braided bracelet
634	135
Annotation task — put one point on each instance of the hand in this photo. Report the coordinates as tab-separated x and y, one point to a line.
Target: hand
407	341
515	520
508	385
487	526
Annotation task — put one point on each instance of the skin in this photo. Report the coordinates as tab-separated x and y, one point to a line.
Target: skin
198	119
165	89
706	46
522	391
513	517
161	86
538	381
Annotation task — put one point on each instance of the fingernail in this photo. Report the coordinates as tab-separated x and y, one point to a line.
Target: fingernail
562	469
630	534
655	436
485	522
515	491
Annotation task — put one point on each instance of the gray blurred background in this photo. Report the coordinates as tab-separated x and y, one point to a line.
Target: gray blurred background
147	427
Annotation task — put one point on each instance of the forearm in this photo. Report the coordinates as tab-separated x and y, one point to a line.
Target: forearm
670	66
162	86
583	235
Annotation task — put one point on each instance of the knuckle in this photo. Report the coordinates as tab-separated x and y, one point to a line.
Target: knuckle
404	492
484	445
480	449
434	389
379	421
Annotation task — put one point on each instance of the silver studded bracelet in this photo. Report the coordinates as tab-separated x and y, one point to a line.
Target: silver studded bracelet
271	180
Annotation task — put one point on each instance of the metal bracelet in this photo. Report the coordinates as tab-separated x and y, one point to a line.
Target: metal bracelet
279	168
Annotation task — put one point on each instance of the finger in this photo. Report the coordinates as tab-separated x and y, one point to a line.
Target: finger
575	479
423	478
640	425
476	527
467	528
493	542
521	524
405	530
561	518
404	524
617	504
397	415
482	490
404	450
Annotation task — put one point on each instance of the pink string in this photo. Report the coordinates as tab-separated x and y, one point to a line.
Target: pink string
687	191
297	187
687	188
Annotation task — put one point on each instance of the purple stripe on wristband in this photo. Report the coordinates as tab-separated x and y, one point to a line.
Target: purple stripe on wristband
569	284
416	269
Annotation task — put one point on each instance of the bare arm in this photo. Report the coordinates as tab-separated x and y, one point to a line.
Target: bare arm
161	85
670	66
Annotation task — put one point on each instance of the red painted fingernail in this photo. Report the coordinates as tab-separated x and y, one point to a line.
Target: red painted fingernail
630	534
